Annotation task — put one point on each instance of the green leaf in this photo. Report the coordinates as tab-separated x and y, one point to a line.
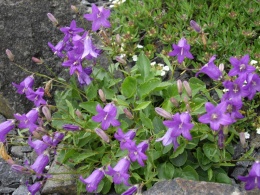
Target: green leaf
179	150
223	178
142	105
165	171
89	106
211	151
91	91
83	156
147	87
204	162
146	121
210	174
71	109
190	173
107	185
180	160
196	85
143	65
129	87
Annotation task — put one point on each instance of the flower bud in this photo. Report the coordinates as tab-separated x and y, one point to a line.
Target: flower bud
221	67
71	127
37	60
128	113
53	19
102	134
46	112
79	114
120	60
188	108
187	88
9	55
74	9
163	113
242	138
174	102
102	95
221	139
179	86
118	39
195	26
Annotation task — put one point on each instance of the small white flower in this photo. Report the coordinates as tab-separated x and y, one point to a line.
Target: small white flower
47	167
139	46
153	63
122	55
258	130
135	58
225	90
166	68
163	73
253	62
247	135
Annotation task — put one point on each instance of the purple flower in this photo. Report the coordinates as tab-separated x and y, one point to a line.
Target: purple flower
33	189
241	67
253	179
195	26
211	69
137	153
181	124
120	171
28	120
89	48
216	116
131	190
71	127
253	85
168	139
84	76
93	180
57	50
74	62
181	50
99	17
36	96
106	116
233	107
5	128
24	85
38	145
234	90
70	31
40	163
125	138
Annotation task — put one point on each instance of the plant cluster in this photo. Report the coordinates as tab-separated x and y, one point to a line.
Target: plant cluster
111	127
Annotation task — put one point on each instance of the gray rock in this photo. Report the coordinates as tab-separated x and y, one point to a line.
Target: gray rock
8	177
21	190
26	149
61	181
6	190
17	151
2	118
181	186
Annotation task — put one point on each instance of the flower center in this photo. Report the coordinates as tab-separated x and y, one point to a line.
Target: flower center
235	89
182	51
242	67
214	116
180	126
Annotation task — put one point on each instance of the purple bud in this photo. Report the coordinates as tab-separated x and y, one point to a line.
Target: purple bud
131	190
195	26
102	134
163	113
74	8
20	169
128	113
33	189
174	102
52	19
40	163
221	139
120	60
5	128
9	55
79	114
187	88
179	86
102	95
242	139
71	127
37	60
118	39
46	112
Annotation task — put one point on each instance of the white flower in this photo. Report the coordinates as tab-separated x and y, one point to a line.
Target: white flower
122	55
247	135
163	73
139	46
166	68
258	130
160	64
253	62
225	90
153	63
135	58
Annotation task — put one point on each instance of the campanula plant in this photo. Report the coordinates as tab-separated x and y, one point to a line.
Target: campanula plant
139	121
